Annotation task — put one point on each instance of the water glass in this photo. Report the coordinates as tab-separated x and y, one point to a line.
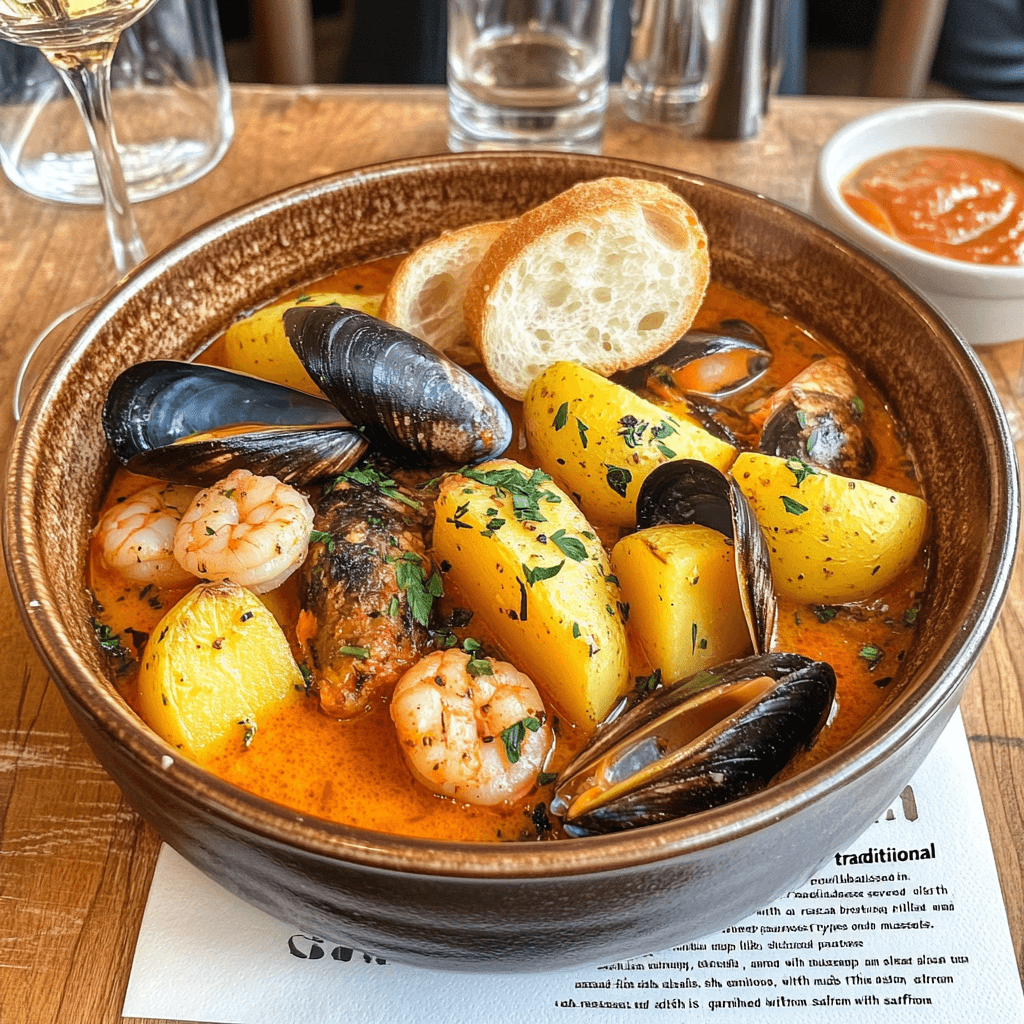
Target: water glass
527	74
171	110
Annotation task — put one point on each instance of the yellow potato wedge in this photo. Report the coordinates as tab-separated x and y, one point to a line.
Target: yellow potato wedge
214	663
258	344
832	539
679	583
599	440
525	560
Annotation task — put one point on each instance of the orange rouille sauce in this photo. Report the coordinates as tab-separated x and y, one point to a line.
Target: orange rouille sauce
352	772
950	202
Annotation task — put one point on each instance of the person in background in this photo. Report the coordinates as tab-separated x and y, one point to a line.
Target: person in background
981	49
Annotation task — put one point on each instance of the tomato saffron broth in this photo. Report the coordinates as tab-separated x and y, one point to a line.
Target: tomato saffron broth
353	773
951	202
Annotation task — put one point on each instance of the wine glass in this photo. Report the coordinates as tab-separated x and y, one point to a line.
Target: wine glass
78	37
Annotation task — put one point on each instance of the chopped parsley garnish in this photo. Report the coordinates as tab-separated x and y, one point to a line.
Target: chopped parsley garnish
645	684
569	546
419	589
792	506
527	491
618	479
515	734
575	631
825	612
858	406
800	469
632	431
322	537
561	417
582	429
371	477
307	678
546	778
872	655
542	572
911	614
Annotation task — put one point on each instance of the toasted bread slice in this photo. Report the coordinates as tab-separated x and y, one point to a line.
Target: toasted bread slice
607	274
425	295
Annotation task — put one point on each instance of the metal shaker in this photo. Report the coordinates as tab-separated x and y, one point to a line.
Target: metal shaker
704	67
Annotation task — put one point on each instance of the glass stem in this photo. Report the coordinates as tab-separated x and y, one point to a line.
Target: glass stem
88	77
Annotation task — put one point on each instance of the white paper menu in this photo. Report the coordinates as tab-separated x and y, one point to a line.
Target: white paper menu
906	925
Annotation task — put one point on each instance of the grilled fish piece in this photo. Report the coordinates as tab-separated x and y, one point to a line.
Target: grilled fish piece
367	589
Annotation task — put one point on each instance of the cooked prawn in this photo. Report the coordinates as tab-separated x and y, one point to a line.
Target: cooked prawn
482	739
251	530
136	536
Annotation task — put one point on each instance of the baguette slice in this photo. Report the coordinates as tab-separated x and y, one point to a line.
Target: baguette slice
607	274
425	296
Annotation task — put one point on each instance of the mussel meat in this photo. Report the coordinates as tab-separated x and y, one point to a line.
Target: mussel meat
817	418
400	390
689	491
719	735
192	423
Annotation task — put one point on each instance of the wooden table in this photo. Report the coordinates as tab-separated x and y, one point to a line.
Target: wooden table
75	860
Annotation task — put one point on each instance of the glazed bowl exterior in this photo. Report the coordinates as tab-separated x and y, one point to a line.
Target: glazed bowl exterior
984	303
516	906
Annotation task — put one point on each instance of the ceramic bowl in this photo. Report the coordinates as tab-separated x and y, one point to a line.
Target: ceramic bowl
984	303
517	906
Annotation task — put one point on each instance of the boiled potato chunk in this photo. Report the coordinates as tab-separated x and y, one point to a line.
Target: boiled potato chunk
832	539
679	583
525	560
599	440
212	666
258	344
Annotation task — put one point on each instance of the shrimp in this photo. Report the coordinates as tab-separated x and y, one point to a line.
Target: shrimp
251	530
481	739
136	536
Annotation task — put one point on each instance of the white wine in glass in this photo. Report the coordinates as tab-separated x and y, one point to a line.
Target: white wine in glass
78	38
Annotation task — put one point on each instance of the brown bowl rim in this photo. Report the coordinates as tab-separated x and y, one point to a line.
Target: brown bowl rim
93	698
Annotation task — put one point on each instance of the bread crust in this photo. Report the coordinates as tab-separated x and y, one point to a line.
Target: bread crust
512	296
425	296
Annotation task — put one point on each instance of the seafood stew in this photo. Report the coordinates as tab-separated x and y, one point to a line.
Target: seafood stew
297	754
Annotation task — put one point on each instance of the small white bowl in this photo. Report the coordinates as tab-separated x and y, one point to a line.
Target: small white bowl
985	304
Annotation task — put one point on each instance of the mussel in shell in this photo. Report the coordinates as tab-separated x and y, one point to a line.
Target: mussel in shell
711	364
406	396
719	735
689	491
818	418
191	423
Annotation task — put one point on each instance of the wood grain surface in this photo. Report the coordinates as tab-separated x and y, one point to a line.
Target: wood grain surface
75	860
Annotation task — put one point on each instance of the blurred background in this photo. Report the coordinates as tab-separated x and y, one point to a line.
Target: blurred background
834	47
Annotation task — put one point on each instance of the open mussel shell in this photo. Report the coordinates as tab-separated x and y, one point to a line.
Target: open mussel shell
397	388
690	491
712	364
722	734
817	417
191	423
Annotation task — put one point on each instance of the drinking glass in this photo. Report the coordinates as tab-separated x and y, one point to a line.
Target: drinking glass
78	38
527	73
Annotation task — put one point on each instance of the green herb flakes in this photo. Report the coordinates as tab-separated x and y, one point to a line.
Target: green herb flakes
569	546
541	572
355	652
322	537
618	479
792	506
561	417
512	738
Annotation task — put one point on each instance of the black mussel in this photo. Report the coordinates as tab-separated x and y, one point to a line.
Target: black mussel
818	418
397	388
712	364
191	423
714	737
689	491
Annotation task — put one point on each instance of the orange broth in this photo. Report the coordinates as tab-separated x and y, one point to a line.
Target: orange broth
950	202
353	773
